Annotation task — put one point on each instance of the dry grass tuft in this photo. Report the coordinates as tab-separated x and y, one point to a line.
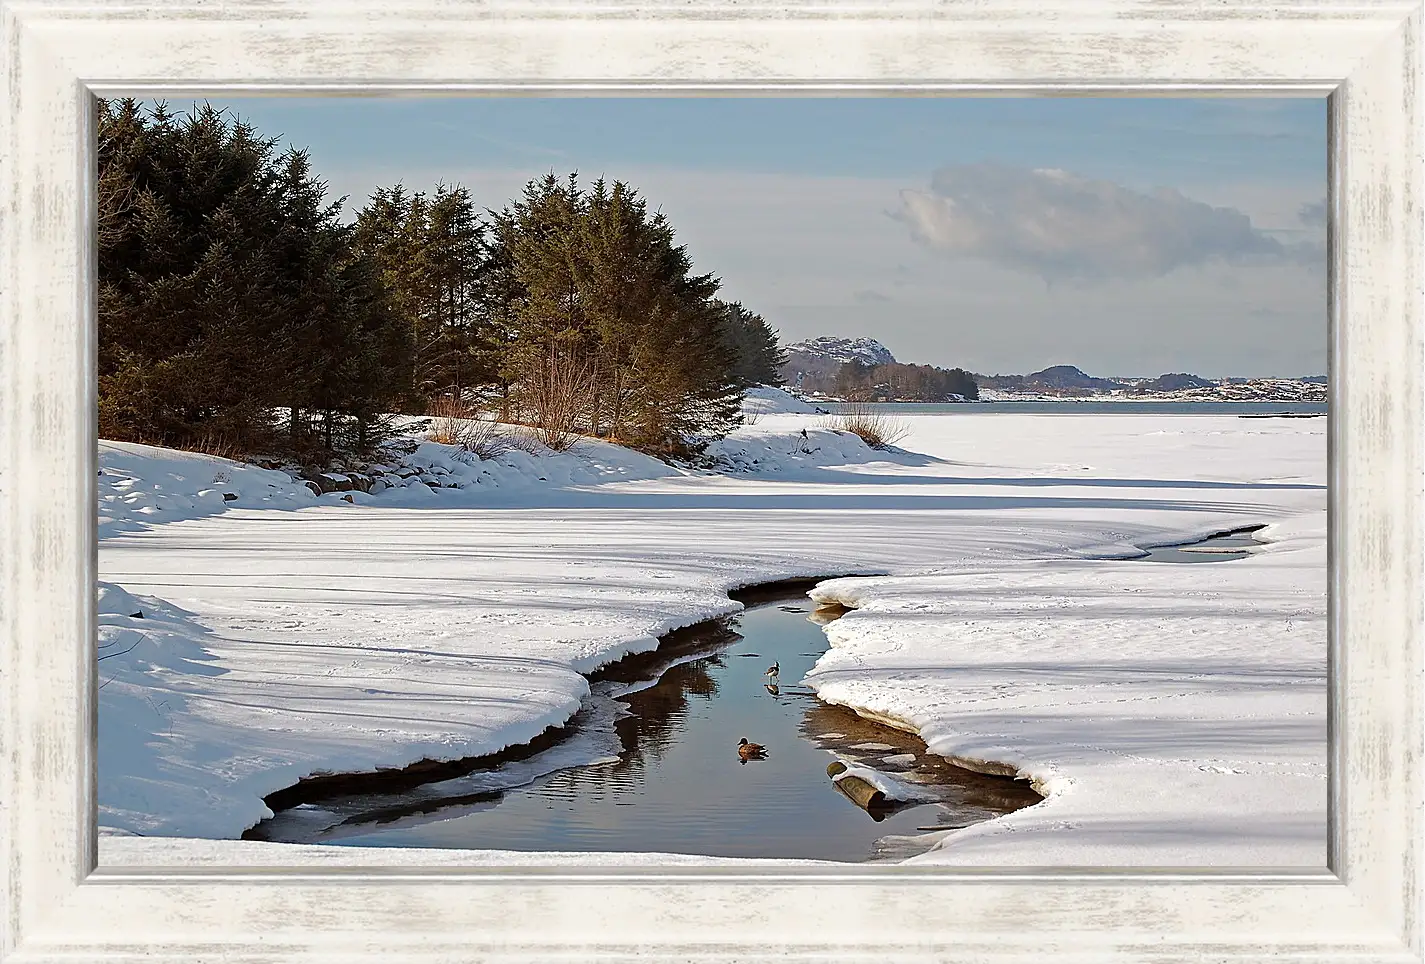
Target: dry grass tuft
876	428
456	423
217	446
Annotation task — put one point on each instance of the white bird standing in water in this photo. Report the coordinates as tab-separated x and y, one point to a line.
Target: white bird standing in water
773	671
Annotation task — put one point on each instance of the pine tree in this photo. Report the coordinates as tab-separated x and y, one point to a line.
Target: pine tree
609	329
222	288
758	357
452	252
430	252
548	359
188	304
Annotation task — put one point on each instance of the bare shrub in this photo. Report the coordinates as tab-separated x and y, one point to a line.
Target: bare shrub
218	446
525	438
877	429
557	389
751	418
455	423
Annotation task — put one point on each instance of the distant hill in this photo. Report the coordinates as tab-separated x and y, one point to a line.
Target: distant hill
1054	380
862	369
1174	382
819	359
1067	376
867	351
1066	381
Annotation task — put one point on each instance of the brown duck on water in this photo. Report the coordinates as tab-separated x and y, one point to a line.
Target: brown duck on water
750	751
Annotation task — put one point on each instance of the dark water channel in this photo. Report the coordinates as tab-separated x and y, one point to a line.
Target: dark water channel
1221	547
671	780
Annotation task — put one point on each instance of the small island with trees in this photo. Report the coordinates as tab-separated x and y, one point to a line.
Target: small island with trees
864	370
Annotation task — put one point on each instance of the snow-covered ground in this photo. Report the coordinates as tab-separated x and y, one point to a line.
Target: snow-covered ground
1173	714
774	401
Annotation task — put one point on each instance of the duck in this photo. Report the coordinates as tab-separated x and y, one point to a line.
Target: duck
774	670
750	751
772	688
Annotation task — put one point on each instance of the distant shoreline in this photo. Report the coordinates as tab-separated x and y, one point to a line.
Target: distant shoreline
1251	408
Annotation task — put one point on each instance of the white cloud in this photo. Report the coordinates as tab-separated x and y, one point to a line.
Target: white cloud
1059	226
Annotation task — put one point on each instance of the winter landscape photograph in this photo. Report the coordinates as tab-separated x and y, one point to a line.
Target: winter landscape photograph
717	480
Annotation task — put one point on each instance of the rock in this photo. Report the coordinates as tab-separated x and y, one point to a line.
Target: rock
335	482
229	496
359	482
316	489
407	472
347	498
379	485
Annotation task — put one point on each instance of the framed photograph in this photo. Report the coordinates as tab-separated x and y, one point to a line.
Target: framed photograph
705	481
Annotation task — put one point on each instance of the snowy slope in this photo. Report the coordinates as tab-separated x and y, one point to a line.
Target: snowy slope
1168	723
142	485
1182	715
765	400
839	351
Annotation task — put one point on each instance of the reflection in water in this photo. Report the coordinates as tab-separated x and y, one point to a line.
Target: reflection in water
673	780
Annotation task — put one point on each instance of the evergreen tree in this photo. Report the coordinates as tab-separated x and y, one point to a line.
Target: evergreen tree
431	255
853	381
453	255
230	289
549	356
758	357
609	326
187	301
220	284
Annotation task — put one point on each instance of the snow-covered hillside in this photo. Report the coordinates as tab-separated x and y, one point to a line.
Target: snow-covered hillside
839	351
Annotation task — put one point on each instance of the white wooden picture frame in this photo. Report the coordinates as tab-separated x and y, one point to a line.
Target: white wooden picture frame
58	54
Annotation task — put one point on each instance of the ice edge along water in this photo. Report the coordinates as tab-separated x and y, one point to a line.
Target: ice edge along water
1173	715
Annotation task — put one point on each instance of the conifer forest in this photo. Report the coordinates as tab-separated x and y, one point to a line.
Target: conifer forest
240	309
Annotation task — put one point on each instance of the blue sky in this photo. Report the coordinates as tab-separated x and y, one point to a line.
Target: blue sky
1124	235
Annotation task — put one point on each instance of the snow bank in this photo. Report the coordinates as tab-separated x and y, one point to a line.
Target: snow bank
1175	714
765	400
453	476
194	731
1180	713
772	449
142	485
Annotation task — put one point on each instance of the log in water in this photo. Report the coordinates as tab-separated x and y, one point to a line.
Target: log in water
861	793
